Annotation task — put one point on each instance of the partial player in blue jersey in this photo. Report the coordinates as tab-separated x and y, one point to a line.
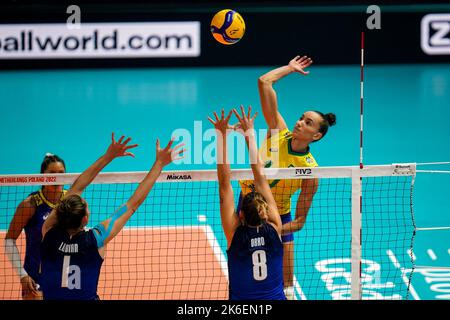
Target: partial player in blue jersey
255	250
72	256
30	215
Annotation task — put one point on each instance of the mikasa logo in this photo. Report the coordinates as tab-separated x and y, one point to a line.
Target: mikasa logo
179	177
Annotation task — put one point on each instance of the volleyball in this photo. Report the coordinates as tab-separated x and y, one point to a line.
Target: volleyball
227	26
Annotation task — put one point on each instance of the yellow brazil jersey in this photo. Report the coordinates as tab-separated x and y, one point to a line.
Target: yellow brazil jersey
276	152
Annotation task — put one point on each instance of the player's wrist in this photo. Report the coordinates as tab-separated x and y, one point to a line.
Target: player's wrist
249	133
108	157
159	164
290	69
23	274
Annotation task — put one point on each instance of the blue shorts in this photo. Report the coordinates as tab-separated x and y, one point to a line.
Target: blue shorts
285	218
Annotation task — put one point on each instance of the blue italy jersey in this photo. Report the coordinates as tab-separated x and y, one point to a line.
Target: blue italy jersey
70	266
33	233
255	264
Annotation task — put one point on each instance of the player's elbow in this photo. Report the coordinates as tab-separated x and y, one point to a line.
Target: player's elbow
263	81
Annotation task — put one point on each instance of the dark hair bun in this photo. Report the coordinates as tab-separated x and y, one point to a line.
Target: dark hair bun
331	119
50	158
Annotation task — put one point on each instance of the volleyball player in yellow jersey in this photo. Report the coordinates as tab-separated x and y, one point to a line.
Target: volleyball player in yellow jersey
284	148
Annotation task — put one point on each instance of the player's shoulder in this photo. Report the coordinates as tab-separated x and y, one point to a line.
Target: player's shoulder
35	194
279	134
30	201
270	227
38	198
310	161
285	134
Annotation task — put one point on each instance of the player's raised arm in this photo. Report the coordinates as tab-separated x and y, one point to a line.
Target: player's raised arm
109	228
116	149
268	96
261	185
230	220
304	202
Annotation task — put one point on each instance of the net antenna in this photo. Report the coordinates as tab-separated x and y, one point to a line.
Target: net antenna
356	255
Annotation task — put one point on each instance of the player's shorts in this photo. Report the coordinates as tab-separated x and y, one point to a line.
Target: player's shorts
285	218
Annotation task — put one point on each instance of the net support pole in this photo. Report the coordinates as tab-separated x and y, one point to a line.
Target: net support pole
356	249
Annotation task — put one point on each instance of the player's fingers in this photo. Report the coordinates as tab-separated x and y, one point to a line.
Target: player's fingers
131	146
302	59
178	146
112	137
228	116
157	144
215	115
237	114
176	153
25	293
212	121
180	155
31	287
307	61
249	111
126	141
121	139
242	111
254	116
169	145
129	154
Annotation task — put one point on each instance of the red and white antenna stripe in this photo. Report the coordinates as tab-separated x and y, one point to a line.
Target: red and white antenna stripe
357	203
362	103
361	165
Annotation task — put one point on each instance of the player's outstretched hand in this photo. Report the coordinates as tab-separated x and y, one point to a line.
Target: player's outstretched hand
299	64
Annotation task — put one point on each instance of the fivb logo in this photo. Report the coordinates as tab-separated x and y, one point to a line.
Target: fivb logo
435	34
303	172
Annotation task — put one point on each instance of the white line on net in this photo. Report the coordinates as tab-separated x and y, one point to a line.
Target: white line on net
431	267
433	171
433	228
430	163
